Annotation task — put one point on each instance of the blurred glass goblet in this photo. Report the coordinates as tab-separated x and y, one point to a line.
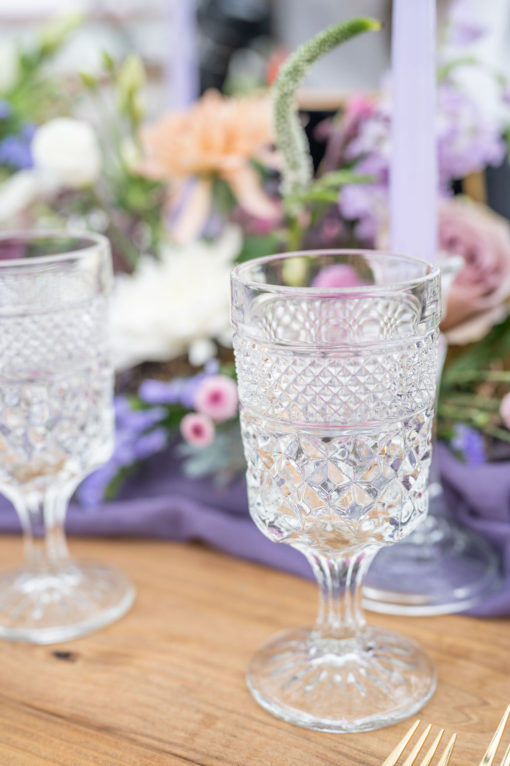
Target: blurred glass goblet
56	426
337	389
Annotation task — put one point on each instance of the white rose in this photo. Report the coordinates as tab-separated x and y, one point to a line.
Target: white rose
68	150
8	65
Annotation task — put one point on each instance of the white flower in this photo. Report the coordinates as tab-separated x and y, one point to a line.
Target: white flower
68	150
201	351
167	305
8	64
17	193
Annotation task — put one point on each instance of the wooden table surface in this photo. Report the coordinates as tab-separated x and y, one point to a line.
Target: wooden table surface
165	685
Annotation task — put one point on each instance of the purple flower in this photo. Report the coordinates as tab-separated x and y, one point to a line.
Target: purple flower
15	152
136	420
466	141
150	444
469	443
464	23
159	392
367	204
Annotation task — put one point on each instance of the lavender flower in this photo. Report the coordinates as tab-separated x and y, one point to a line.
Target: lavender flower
470	444
467	142
15	152
464	24
150	444
136	439
160	392
368	206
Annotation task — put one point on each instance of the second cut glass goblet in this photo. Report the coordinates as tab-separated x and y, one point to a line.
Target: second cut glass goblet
337	389
56	426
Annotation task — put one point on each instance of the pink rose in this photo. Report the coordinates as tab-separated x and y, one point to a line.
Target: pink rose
197	429
337	275
479	291
217	397
504	410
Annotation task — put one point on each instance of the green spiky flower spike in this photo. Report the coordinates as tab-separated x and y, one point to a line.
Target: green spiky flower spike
297	173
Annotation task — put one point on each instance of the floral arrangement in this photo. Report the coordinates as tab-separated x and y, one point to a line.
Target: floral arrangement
186	196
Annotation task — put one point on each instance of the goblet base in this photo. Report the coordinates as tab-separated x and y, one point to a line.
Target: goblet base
349	685
440	569
50	606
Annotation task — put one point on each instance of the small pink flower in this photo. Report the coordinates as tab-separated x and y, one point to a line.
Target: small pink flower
197	429
359	107
337	275
217	397
505	410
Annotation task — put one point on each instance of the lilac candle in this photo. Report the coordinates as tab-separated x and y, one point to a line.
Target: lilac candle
181	66
414	172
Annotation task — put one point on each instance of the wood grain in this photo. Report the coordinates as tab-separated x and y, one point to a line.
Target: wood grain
165	685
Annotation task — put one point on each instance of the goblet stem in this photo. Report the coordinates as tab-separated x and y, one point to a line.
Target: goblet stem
340	615
42	518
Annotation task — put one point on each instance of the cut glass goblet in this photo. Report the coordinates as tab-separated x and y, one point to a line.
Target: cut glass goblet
337	389
56	426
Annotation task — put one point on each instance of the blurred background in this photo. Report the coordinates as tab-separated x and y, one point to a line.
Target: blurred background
189	46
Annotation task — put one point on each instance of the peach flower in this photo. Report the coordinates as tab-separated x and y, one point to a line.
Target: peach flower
479	292
217	137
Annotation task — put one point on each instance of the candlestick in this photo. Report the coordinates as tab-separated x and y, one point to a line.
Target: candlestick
181	65
414	171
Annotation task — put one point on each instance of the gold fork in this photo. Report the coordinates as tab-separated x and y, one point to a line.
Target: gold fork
411	759
487	760
491	751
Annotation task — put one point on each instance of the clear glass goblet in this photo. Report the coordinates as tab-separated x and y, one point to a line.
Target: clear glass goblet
337	390
56	426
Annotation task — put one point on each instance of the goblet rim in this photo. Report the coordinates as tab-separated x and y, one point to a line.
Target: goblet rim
95	242
432	273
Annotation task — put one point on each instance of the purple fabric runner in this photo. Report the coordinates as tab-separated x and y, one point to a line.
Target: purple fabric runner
162	503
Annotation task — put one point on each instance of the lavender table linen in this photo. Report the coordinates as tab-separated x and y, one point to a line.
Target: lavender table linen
162	503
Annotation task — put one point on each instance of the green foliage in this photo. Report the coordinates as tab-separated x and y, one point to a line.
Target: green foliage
473	385
325	189
259	246
130	79
494	347
445	71
34	96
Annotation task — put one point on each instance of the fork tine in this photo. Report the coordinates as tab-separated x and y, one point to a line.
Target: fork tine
397	751
506	757
445	759
494	743
432	749
416	749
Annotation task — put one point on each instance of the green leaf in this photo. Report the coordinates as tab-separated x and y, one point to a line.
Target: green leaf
114	487
88	80
258	247
448	68
326	188
108	62
494	347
